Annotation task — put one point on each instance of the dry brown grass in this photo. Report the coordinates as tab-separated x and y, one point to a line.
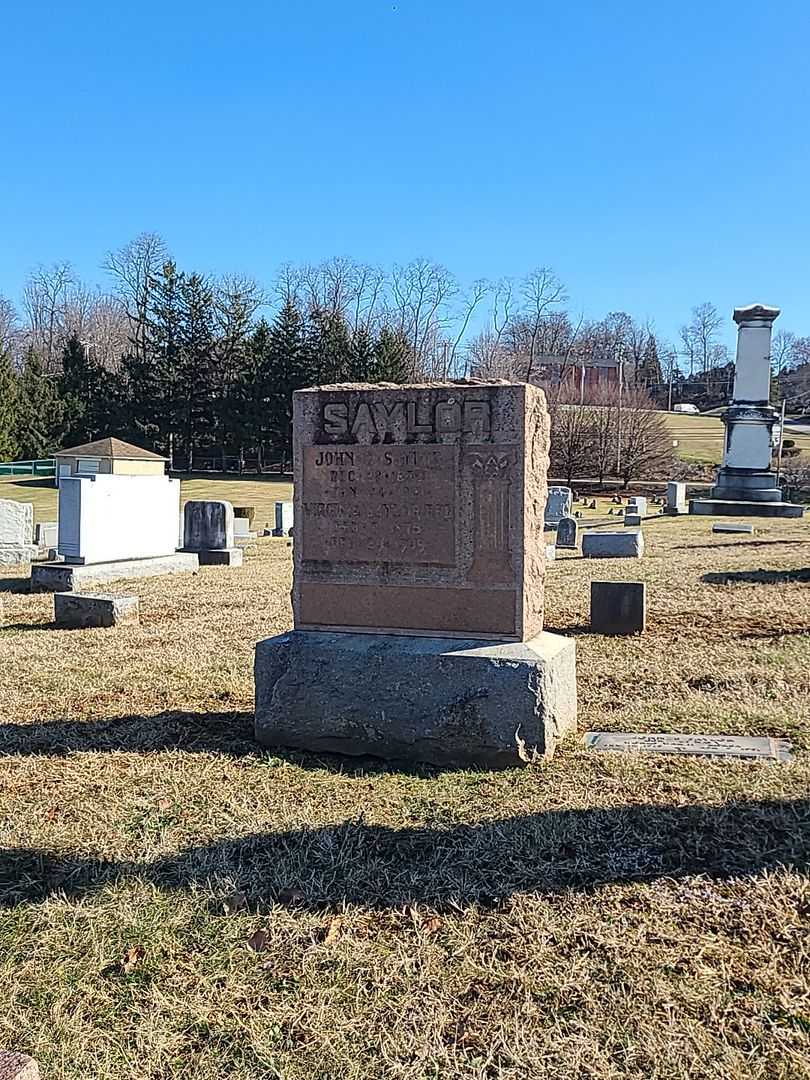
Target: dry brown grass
603	916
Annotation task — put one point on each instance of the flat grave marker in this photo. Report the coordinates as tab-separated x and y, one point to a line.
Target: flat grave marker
754	747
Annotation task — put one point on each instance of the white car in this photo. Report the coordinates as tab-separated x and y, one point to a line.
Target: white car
686	407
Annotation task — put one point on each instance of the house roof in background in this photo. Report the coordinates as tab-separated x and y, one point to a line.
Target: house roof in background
111	448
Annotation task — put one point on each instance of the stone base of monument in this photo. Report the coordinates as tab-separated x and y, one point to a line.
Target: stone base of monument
15	554
741	508
65	577
442	701
221	556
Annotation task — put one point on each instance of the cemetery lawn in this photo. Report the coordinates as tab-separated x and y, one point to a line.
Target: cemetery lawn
177	902
251	491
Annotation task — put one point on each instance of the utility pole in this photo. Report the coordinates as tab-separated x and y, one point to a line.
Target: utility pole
781	442
671	374
620	351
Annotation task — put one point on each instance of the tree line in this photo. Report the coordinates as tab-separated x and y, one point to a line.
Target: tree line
201	367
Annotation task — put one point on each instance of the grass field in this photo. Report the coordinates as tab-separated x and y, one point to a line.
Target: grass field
262	494
700	438
177	902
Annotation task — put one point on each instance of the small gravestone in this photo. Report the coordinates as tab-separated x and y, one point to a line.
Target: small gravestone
732	527
208	530
593	504
638	504
558	505
14	1066
551	552
46	534
248	512
676	498
632	519
16	533
242	530
731	746
618	607
79	611
283	519
567	532
628	544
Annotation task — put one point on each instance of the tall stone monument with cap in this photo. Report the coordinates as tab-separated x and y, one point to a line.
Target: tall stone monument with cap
746	483
419	568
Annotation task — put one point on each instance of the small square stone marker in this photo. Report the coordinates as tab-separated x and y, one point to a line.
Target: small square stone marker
77	611
732	527
618	607
727	746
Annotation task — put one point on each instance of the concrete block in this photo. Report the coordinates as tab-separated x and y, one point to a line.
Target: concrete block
618	607
613	545
82	610
439	700
233	556
14	1066
65	577
732	527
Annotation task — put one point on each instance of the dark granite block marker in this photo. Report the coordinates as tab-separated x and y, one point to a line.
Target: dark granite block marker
618	607
207	525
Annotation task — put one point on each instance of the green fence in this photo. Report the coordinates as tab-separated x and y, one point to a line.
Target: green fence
40	467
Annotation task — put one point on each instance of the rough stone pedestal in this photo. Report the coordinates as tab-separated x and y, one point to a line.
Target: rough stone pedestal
437	700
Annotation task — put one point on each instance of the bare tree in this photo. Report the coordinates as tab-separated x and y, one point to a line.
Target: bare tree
9	327
45	297
421	293
135	268
542	292
699	337
645	442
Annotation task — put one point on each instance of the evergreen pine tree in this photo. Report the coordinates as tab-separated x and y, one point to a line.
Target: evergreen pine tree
287	364
8	407
392	357
362	357
195	387
83	389
330	347
39	411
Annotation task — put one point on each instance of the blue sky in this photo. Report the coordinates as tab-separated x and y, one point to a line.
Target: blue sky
654	154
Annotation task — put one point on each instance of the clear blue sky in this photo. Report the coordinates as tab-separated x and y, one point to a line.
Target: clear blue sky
655	154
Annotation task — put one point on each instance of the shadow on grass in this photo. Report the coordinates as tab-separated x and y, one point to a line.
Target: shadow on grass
376	867
226	733
757	577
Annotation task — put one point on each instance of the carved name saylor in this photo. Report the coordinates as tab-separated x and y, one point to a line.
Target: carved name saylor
378	419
